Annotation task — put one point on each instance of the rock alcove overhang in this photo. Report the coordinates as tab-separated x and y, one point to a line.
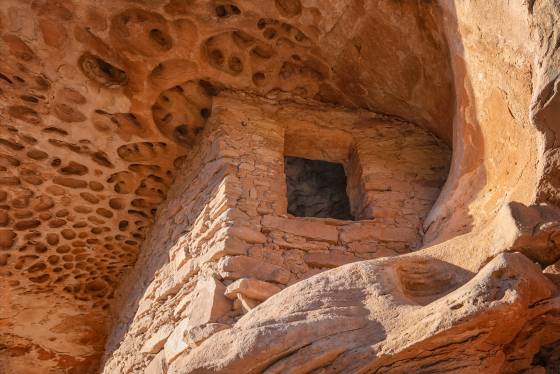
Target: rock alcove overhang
100	101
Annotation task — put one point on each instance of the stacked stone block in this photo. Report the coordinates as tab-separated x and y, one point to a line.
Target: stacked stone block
224	242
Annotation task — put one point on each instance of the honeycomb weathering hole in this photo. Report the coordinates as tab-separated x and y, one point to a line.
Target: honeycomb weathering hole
181	112
289	8
141	32
102	72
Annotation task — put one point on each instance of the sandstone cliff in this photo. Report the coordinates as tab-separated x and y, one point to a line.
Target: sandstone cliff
279	186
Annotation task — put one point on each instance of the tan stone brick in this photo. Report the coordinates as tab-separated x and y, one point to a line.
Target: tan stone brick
248	267
309	228
175	344
186	271
226	246
198	334
247	234
252	288
328	259
357	232
156	342
209	302
157	365
246	302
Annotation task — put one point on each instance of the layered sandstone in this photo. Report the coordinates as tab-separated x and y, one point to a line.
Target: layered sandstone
152	219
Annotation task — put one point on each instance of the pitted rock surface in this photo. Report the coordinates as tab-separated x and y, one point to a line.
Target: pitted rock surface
145	218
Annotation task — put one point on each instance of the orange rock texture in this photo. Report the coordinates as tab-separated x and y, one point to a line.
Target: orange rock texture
279	186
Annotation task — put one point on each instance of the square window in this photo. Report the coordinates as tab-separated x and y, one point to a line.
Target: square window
316	189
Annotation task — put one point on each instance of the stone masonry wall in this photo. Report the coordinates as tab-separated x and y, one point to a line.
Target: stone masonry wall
223	242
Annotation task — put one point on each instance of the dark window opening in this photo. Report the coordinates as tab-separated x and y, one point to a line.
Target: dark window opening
316	189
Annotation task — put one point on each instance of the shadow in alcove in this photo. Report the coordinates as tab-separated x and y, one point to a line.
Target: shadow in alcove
450	216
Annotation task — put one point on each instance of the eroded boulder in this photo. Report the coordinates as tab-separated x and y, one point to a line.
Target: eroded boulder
346	320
